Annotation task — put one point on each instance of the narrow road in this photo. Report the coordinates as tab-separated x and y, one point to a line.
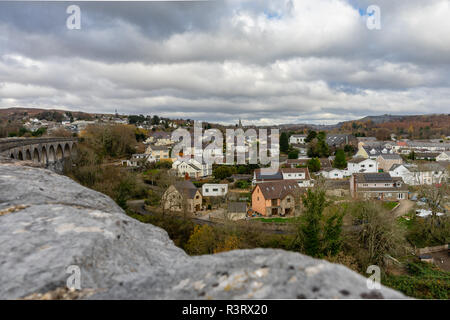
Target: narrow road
138	206
404	207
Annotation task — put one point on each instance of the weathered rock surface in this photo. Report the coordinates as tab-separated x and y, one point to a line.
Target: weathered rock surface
49	222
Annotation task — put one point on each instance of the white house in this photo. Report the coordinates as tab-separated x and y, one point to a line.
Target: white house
214	189
301	175
444	156
192	167
403	171
297	139
427	173
357	165
333	173
138	159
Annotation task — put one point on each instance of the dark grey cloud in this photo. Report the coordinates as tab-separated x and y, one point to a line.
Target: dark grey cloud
264	61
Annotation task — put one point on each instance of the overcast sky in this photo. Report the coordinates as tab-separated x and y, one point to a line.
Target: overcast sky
266	62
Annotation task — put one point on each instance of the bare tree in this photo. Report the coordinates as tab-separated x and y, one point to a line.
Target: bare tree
436	195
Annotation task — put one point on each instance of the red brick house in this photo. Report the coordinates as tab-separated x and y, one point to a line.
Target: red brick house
276	198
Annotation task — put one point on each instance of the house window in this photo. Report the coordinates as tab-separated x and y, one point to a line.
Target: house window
206	190
196	197
288	200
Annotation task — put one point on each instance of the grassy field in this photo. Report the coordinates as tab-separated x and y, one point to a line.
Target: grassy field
389	205
276	220
423	281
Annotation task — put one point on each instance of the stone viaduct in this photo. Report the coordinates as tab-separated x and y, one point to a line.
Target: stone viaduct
39	150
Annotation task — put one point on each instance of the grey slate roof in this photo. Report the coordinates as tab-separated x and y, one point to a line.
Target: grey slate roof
237	207
390	156
275	176
187	188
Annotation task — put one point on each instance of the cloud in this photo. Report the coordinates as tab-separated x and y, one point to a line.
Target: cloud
266	62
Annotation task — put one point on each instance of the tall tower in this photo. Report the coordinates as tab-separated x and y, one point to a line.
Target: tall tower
240	123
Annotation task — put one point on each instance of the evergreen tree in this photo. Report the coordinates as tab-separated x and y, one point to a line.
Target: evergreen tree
284	142
311	135
340	162
313	165
319	235
293	154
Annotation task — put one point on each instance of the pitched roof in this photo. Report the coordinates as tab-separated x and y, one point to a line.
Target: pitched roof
299	135
186	187
358	160
324	162
395	166
373	177
164	148
390	156
237	207
380	178
297	170
161	135
337	139
278	189
275	176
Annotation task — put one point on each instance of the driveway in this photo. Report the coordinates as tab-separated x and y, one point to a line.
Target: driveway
404	207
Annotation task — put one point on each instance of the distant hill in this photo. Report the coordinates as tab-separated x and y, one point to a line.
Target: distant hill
414	126
410	126
19	113
378	119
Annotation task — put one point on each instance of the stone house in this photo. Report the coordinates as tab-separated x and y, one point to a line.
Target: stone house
182	195
386	161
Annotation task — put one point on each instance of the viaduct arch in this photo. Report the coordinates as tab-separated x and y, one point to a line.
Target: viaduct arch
38	150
